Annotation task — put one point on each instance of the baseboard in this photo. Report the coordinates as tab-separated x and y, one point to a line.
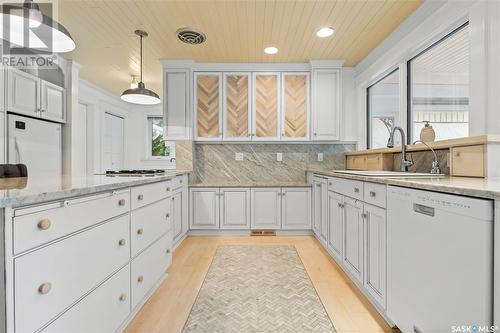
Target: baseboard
179	242
246	232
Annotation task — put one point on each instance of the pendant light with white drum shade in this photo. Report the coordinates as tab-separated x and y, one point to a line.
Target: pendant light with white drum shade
140	95
48	35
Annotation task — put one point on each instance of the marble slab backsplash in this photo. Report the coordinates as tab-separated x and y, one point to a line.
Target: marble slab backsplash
423	161
215	163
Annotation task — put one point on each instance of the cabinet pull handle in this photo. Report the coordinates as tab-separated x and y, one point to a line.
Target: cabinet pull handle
140	197
173	198
121	202
123	297
168	251
356	190
140	278
339	204
140	231
122	242
44	224
372	194
168	189
364	216
330	183
44	288
167	215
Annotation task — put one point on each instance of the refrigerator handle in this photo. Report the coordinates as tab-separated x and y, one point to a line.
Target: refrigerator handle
18	149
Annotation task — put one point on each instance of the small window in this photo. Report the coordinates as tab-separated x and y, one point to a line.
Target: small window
383	109
438	87
156	142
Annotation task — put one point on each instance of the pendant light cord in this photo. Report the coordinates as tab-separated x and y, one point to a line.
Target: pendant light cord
141	58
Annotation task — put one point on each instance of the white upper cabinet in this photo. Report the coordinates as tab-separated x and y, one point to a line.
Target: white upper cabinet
237	106
326	104
23	91
295	106
32	96
176	104
52	101
208	106
266	106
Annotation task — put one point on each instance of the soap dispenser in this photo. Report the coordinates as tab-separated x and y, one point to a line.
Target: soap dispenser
427	133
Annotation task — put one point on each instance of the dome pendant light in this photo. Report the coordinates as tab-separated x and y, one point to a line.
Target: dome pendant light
140	95
51	36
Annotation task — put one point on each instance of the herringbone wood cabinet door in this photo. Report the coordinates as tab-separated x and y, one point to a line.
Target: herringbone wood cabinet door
266	106
237	102
295	106
207	106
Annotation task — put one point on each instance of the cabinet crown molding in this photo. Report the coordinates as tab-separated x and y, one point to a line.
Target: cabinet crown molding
326	64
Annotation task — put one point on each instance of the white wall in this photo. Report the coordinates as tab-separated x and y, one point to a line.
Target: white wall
98	102
430	22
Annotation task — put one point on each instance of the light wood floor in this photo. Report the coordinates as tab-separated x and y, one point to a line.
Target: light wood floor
167	310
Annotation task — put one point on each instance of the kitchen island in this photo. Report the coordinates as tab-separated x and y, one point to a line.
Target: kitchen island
89	253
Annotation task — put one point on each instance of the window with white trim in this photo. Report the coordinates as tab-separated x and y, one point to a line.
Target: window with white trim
157	147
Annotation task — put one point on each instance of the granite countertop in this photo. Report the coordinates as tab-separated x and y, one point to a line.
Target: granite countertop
474	187
252	184
15	192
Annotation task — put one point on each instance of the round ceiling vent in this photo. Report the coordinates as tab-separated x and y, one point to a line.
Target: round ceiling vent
191	36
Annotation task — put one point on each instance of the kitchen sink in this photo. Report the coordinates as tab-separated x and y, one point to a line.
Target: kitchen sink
390	174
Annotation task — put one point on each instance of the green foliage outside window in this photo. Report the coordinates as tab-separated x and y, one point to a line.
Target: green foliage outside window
158	147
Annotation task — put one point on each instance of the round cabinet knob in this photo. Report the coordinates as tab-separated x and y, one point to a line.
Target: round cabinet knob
356	190
44	224
140	197
122	242
180	181
44	288
372	194
140	279
168	189
168	251
123	297
121	202
339	204
167	215
140	231
173	198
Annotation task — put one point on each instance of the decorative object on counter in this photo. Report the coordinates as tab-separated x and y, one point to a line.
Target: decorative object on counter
141	95
427	134
13	170
435	169
49	31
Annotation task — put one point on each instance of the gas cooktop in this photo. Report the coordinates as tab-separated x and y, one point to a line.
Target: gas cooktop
143	172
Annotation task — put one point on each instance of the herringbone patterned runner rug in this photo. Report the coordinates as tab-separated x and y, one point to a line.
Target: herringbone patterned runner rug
257	289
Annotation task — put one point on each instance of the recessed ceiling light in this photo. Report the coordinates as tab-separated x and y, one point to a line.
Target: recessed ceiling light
325	32
271	50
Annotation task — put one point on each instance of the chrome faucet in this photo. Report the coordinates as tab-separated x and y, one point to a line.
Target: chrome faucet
435	169
390	144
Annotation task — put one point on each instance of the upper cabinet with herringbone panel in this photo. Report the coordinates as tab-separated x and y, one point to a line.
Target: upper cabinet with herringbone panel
295	105
237	106
236	30
207	105
266	108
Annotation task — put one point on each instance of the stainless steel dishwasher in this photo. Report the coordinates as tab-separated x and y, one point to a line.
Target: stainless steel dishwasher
440	261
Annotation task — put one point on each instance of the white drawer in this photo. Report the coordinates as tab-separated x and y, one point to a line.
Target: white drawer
375	194
103	310
41	224
146	194
347	187
149	223
179	182
149	267
70	267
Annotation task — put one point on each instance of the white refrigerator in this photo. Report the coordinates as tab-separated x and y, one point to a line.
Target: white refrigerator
37	144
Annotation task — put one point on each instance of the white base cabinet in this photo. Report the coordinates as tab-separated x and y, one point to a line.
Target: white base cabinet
269	208
235	208
266	208
179	213
357	234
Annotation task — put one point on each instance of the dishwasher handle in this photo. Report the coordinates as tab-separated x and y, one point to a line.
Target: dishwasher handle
425	210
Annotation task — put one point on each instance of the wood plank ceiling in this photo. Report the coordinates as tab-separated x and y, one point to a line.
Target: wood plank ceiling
236	30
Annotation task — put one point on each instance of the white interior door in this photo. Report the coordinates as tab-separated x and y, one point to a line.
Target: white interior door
113	139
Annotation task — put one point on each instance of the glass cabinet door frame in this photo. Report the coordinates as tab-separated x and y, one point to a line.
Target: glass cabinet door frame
226	137
254	106
195	105
283	106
